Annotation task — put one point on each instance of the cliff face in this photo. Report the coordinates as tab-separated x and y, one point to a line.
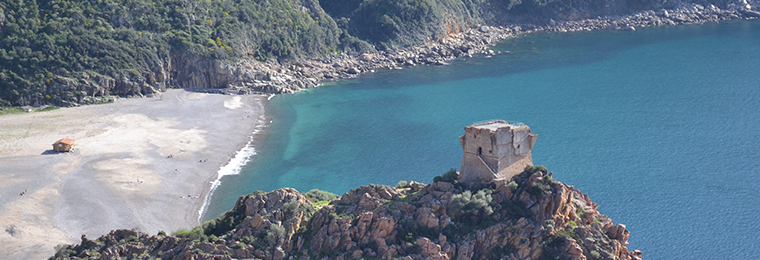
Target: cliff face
192	73
530	216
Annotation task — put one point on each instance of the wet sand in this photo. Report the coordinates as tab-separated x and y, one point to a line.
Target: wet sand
143	163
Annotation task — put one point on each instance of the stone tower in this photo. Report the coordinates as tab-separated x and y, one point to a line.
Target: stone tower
495	150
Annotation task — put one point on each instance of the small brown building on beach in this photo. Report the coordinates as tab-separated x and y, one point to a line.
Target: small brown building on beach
63	145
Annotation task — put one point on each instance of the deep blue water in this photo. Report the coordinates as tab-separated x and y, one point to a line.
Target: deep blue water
661	127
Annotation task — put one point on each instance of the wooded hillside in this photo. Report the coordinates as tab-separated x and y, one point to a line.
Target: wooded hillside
50	49
45	40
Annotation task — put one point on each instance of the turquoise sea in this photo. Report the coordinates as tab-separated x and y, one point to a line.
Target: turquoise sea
661	127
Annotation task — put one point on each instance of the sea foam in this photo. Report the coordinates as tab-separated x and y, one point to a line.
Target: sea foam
233	167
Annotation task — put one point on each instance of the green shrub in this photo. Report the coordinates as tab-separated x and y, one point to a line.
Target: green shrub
181	232
290	206
239	245
549	180
535	168
258	192
222	224
131	239
321	203
196	234
572	224
450	176
536	189
161	233
516	209
579	212
567	234
316	195
512	185
472	207
248	240
595	255
275	235
63	251
401	184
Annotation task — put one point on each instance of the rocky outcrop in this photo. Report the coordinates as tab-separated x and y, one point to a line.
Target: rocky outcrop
530	216
192	73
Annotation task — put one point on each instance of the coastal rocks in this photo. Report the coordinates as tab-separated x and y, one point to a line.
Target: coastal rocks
249	76
531	216
685	14
477	40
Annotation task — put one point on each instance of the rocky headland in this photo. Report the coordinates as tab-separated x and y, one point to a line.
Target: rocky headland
530	216
253	77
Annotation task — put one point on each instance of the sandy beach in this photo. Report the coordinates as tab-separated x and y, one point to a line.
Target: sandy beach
141	163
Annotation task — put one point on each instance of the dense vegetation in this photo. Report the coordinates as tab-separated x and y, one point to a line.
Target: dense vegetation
45	45
47	40
394	23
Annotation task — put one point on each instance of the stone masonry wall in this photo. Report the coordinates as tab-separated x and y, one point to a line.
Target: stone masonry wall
503	147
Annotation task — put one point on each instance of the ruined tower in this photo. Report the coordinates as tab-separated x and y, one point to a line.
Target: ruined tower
495	150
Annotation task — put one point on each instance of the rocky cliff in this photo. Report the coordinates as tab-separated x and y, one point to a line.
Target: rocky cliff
531	216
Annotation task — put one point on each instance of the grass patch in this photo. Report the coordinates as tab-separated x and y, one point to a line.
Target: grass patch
320	204
572	224
18	110
567	234
11	110
316	195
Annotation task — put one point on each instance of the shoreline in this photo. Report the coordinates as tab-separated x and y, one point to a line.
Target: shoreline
236	162
119	175
293	76
250	76
463	44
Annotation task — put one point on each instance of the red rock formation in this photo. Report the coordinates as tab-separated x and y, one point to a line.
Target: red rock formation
530	216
